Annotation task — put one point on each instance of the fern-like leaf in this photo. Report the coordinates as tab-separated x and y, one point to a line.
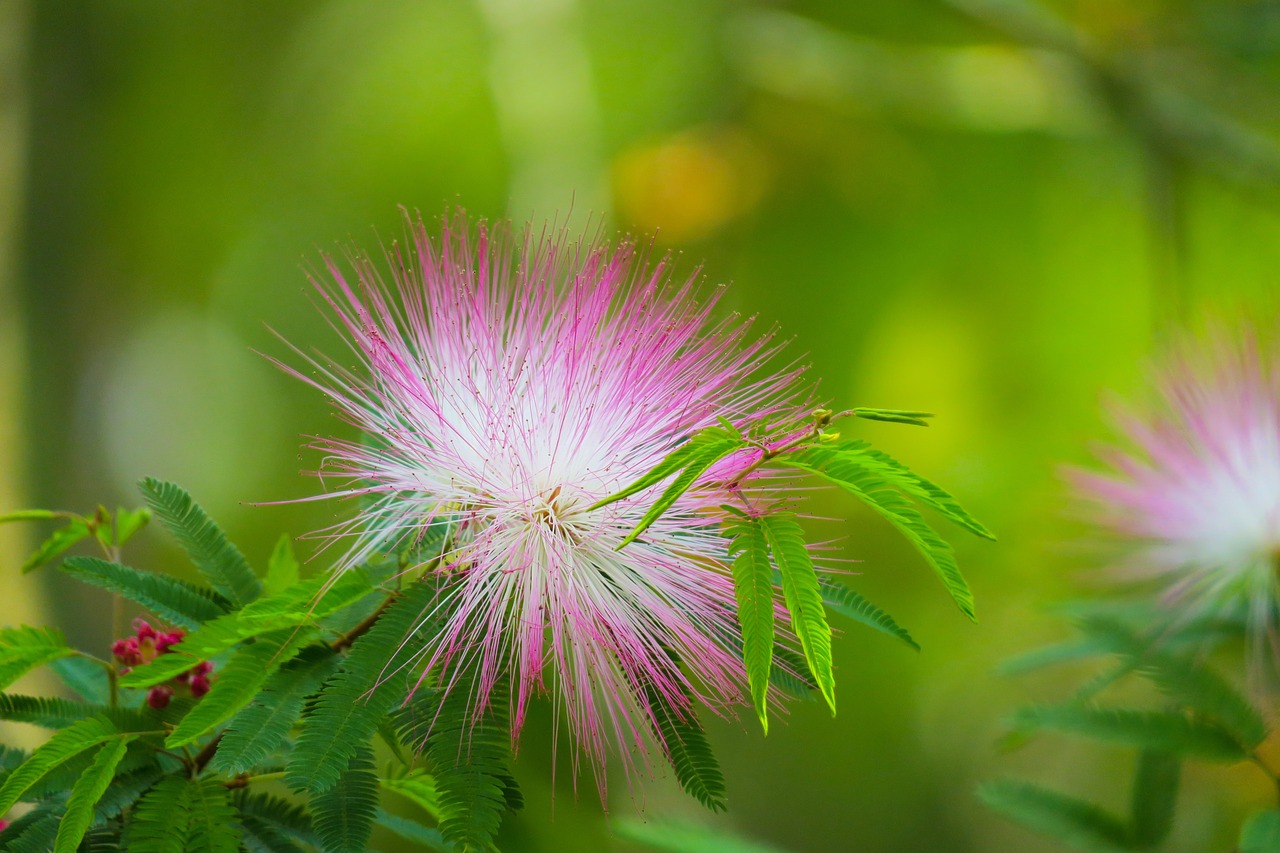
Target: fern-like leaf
212	826
706	449
678	458
220	561
754	591
1165	731
63	746
53	712
264	724
343	814
23	648
239	682
161	822
850	604
1066	818
880	495
283	817
58	543
282	568
470	759
171	599
803	597
88	789
370	682
688	750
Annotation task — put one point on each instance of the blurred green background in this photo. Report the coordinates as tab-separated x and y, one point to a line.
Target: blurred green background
989	210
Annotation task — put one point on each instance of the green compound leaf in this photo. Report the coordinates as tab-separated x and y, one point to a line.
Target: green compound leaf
343	814
689	752
1155	792
367	686
239	682
704	450
851	605
220	561
23	648
282	568
88	789
1072	821
62	747
274	818
213	826
803	597
469	756
53	712
262	726
419	787
753	588
58	543
171	599
845	466
679	458
161	822
1261	832
1165	731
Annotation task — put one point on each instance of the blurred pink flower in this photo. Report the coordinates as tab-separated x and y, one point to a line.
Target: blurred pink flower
1198	495
511	382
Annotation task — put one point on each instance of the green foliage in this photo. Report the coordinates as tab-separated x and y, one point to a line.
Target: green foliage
239	682
369	683
1075	822
87	678
53	712
88	789
63	746
161	823
282	568
28	515
754	592
803	597
419	787
876	483
853	606
1170	731
262	726
1155	792
171	599
343	813
1261	832
470	756
691	460
220	561
212	827
58	543
22	649
688	751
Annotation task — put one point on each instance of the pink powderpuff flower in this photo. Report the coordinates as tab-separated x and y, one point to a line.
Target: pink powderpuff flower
1198	496
509	383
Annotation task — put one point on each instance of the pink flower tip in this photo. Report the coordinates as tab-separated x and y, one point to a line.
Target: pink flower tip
158	697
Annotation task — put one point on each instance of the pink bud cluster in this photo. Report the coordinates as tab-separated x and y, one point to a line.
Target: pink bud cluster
4	824
144	646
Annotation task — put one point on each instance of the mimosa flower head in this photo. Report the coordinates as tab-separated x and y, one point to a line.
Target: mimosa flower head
508	382
1197	494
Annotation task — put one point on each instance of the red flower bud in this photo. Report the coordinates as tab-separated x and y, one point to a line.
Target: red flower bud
199	685
159	696
144	629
